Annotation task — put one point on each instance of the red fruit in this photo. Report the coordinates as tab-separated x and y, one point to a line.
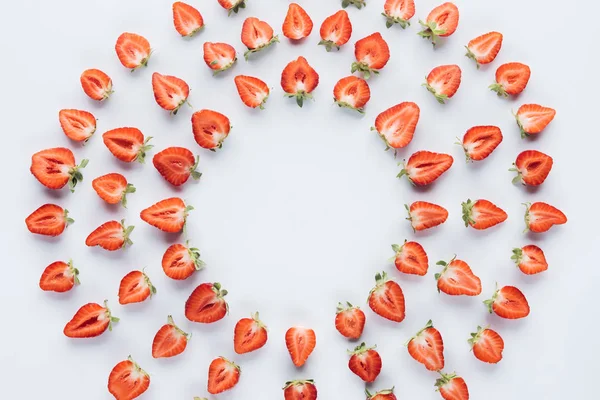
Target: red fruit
335	30
484	49
206	304
511	79
487	345
113	188
257	35
77	125
424	167
89	321
372	54
127	144
442	21
300	390
457	279
443	82
299	79
111	236
533	118
59	277
508	302
386	299
387	394
176	165
396	125
49	220
452	387
297	24
540	217
222	375
365	362
187	20
135	287
352	92
253	92
411	258
300	343
349	321
168	215
219	56
423	215
482	214
96	84
54	168
180	261
133	50
210	129
480	141
532	167
170	92
232	6
169	341
249	334
530	259
427	348
398	12
127	380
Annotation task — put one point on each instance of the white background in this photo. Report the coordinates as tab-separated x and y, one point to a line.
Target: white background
299	208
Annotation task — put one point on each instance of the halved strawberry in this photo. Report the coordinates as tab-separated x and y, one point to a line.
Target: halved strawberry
180	261
59	277
299	79
365	362
232	6
257	35
48	220
210	129
411	258
127	380
113	188
54	168
169	341
540	217
396	125
357	3
484	49
168	215
424	167
427	347
135	287
111	236
170	92
457	279
300	390
532	167
452	387
386	394
480	141
398	12
219	56
222	375
423	215
511	79
127	144
349	321
335	30
508	302
386	299
372	53
78	125
250	334
487	345
133	50
442	21
253	92
482	214
89	321
533	118
530	259
96	84
187	20
176	165
297	24
352	92
206	304
300	343
443	82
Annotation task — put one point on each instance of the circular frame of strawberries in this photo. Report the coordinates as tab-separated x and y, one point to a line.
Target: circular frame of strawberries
56	168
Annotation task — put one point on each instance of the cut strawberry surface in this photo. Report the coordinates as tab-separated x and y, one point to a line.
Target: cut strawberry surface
113	188
533	118
300	343
168	215
253	91
170	92
352	92
300	390
396	126
411	258
133	50
480	141
176	165
452	387
210	129
48	220
487	345
482	214
508	302
78	125
59	277
297	24
386	299
398	12
135	287
128	380
365	362
187	20
423	215
532	167
96	84
89	321
530	259
170	340
181	261
127	144
335	30
232	6
442	21
457	279
111	236
257	35
372	54
511	79
425	167
427	347
223	375
484	49
250	334
54	168
443	82
206	304
219	56
349	320
299	79
540	217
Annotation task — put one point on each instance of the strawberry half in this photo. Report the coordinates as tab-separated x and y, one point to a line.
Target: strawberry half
187	20
365	362
133	50
250	334
443	82
206	304
96	84
530	259
532	167
540	217
423	215
457	279
297	24
54	168
253	92
127	144
169	341
335	30
349	321
487	345
299	79
357	3
452	387
300	390
533	118
484	49
170	92
442	21
411	258
372	54
482	214
257	35
222	375
127	380
48	220
111	236
386	299
352	92
180	261
210	129
176	165
480	141
398	12
386	394
427	347
396	125
59	277
232	6
113	188
89	321
511	79
424	167
168	215
508	302
135	287
78	125
219	56
300	343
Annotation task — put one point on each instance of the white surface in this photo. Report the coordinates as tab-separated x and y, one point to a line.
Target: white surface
299	209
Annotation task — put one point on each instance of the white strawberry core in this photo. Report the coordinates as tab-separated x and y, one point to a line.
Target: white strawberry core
262	41
218	137
332	37
64	169
260	96
177	99
135	373
475	214
366	60
139	57
396	11
525	258
348	99
300	86
438	86
102	317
